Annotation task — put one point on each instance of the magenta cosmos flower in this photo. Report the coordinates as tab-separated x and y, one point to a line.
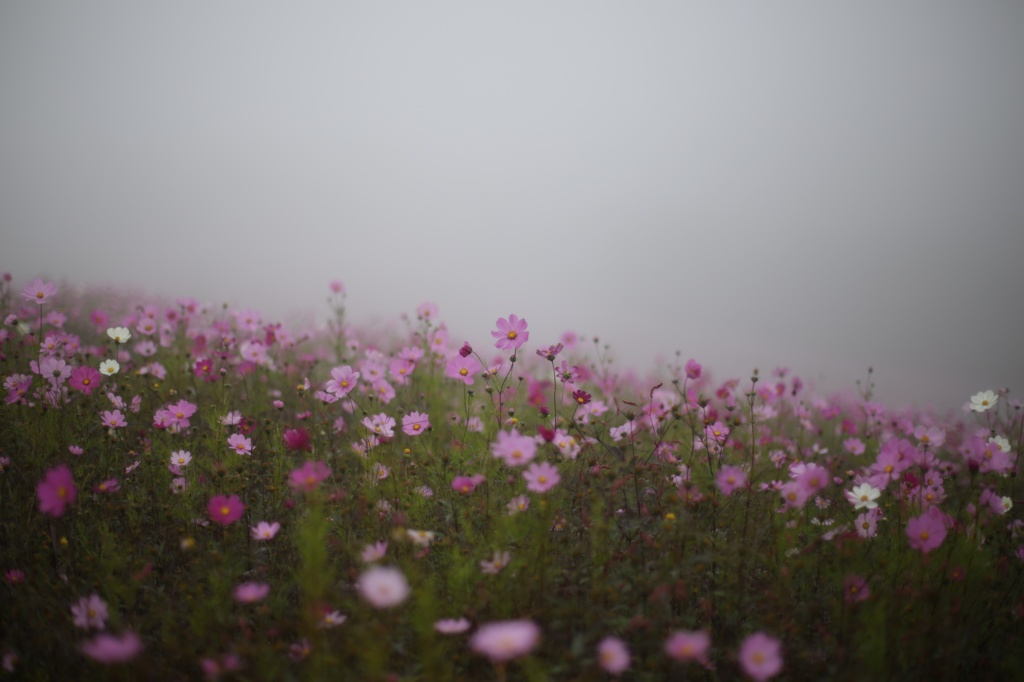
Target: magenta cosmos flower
511	333
514	448
225	510
308	476
383	586
541	477
297	439
761	656
38	291
107	648
85	379
505	640
56	491
467	484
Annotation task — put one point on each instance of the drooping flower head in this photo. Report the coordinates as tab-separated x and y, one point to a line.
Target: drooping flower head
511	333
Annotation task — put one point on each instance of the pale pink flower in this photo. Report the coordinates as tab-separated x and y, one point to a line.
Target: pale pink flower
38	291
495	565
90	612
514	448
730	478
464	369
113	420
518	504
761	656
613	655
927	531
342	381
451	626
541	477
687	645
383	586
249	593
415	423
504	640
264	530
374	552
240	444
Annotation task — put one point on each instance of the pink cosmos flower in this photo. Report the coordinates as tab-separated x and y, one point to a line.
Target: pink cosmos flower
451	626
730	478
504	640
213	669
56	491
265	531
54	370
866	524
794	495
927	531
855	589
249	593
761	656
383	586
240	444
225	510
307	477
85	379
518	504
180	413
463	368
613	655
687	645
113	420
514	448
297	440
111	485
855	446
381	425
541	477
90	612
415	423
38	291
337	287
342	381
511	333
374	552
106	648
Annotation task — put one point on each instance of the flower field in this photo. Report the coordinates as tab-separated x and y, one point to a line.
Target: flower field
199	493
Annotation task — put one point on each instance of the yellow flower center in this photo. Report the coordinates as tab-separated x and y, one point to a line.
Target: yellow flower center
512	334
225	510
463	371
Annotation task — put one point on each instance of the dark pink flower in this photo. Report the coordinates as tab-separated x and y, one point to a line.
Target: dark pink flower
225	510
297	439
511	333
466	484
85	379
466	350
693	369
56	491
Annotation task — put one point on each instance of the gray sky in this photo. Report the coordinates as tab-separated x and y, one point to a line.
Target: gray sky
824	186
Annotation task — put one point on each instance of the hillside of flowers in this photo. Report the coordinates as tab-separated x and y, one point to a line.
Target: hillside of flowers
196	492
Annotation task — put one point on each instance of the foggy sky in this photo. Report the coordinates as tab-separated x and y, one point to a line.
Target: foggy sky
751	184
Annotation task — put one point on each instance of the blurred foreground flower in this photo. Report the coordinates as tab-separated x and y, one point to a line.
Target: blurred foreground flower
504	640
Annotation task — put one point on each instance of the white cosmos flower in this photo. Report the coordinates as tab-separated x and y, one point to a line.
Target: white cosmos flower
863	496
985	400
119	334
110	367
